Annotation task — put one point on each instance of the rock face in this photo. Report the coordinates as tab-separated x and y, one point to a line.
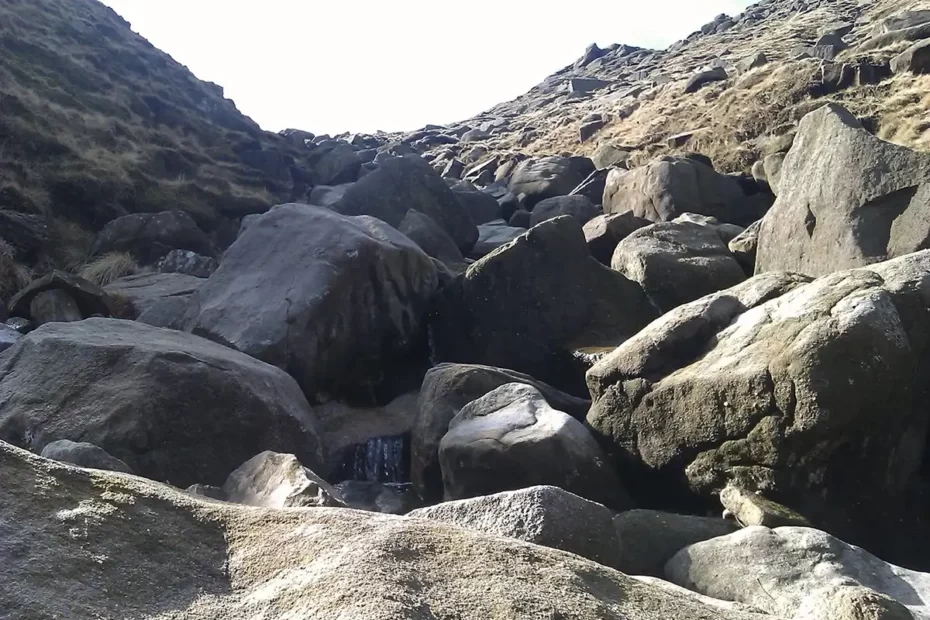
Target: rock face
403	183
511	438
670	186
150	236
647	539
542	515
576	302
578	207
677	262
274	480
788	569
845	199
218	560
331	299
446	389
83	454
170	405
777	386
549	177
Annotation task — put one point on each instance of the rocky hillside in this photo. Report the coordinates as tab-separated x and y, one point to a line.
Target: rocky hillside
648	342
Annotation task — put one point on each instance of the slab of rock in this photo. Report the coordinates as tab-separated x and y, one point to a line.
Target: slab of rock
669	186
578	207
89	298
54	306
446	389
604	232
275	480
577	303
494	235
403	183
703	78
9	336
845	199
481	206
170	405
549	177
647	539
150	236
606	156
169	552
586	85
778	571
334	300
753	509
677	262
432	239
511	438
745	386
146	291
542	515
83	454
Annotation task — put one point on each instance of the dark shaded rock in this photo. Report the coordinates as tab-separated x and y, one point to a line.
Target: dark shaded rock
432	239
89	298
606	156
150	236
586	85
83	455
481	207
146	292
54	306
915	59
578	207
699	80
9	336
604	232
335	163
453	169
753	61
170	405
322	196
493	235
549	177
592	187
589	129
28	234
391	499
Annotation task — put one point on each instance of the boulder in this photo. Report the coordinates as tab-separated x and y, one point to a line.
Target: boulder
335	163
324	195
542	515
54	306
808	393
549	177
753	61
753	509
589	129
511	438
669	186
432	239
403	183
532	304
578	207
647	539
482	207
795	569
446	389
606	156
89	298
604	232
703	78
845	199
274	480
336	301
493	235
743	247
915	59
188	263
521	219
592	187
150	236
677	262
83	454
121	546
158	299
170	405
586	85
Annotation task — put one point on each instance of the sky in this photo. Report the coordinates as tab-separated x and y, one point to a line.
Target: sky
330	66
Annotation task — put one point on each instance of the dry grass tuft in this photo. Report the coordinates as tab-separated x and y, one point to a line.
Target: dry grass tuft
110	267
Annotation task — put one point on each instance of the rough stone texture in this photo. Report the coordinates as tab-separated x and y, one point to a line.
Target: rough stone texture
853	602
482	207
753	509
670	186
188	263
511	438
150	236
578	207
604	232
446	389
845	199
576	303
331	299
325	195
699	80
120	545
677	262
549	177
743	247
274	480
915	59
811	394
54	306
493	235
403	183
89	298
542	515
170	405
432	239
778	570
336	163
83	454
607	155
158	299
647	539
772	165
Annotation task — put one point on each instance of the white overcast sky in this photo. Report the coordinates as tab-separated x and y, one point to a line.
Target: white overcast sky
343	65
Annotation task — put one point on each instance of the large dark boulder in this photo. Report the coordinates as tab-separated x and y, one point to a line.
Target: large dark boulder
668	187
432	239
150	236
604	232
512	438
403	183
813	394
446	389
89	299
335	162
549	177
578	207
83	454
677	262
845	199
170	405
334	300
532	304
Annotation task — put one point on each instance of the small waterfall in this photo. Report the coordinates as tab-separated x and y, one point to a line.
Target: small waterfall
380	459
